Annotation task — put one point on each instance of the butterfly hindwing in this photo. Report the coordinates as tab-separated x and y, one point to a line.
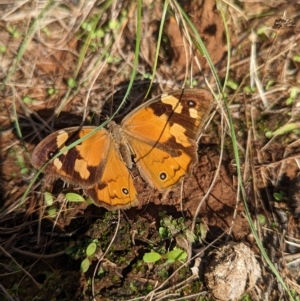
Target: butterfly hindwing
168	166
163	134
115	189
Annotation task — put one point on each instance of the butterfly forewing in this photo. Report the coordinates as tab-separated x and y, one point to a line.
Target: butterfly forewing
83	164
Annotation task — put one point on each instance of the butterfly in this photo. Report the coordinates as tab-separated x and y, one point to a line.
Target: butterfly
159	137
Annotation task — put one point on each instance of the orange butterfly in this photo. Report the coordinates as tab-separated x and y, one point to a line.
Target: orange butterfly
160	135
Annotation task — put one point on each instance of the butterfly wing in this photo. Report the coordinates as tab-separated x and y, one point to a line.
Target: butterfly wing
83	164
115	189
163	132
94	164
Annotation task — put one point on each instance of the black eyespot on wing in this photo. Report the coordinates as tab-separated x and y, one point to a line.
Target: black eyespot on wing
191	103
125	191
163	176
51	154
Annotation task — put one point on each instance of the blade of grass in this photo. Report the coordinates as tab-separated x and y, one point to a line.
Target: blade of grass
200	46
228	43
160	33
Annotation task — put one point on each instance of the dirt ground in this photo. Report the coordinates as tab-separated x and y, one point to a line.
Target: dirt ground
68	63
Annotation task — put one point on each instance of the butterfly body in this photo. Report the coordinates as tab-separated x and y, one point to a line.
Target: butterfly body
160	136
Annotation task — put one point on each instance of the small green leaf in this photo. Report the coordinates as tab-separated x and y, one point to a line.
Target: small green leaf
90	200
163	232
51	91
261	219
289	101
232	85
133	287
147	76
87	26
151	257
176	254
269	134
269	84
48	198
52	211
203	230
71	83
91	249
2	49
149	288
278	196
101	271
246	297
85	264
24	170
262	30
74	197
180	220
247	89
99	33
296	58
27	100
294	92
109	59
190	236
293	95
170	223
46	30
20	160
113	24
13	31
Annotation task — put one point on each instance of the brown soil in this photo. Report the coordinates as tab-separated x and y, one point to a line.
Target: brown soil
41	255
